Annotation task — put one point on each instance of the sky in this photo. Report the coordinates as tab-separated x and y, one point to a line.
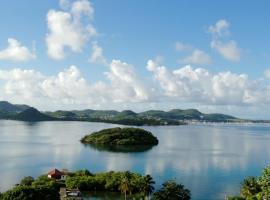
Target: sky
76	54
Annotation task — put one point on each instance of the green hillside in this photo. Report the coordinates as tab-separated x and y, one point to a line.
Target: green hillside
12	108
126	117
32	115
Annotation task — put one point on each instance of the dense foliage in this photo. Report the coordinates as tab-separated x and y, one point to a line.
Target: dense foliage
255	188
121	136
42	188
173	191
127	183
109	181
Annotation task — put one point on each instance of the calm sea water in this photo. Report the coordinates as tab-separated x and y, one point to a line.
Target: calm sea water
209	160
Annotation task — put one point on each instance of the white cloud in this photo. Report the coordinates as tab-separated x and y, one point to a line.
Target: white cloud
15	51
267	73
229	50
64	4
70	88
69	29
123	87
221	28
125	83
197	57
200	86
179	46
82	7
97	55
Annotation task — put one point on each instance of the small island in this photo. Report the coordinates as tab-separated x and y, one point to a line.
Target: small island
121	137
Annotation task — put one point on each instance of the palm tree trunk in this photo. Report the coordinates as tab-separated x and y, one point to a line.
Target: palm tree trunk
125	195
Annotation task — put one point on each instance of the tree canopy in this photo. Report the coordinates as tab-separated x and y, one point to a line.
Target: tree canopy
121	136
173	191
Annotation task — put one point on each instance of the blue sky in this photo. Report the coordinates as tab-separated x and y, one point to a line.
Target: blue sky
224	38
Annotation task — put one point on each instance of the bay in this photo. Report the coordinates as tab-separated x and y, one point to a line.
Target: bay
210	160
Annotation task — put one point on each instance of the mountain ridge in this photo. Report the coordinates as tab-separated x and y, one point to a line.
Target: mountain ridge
125	117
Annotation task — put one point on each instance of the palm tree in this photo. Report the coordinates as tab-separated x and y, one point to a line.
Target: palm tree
125	185
250	187
147	187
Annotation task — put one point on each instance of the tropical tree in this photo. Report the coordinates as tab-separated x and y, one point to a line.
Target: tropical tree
28	180
146	185
250	187
173	191
264	179
125	185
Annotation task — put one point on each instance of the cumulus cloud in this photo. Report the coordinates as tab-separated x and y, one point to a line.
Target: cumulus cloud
197	57
15	51
69	29
97	55
221	28
64	4
70	88
125	83
227	49
201	86
267	73
123	86
179	46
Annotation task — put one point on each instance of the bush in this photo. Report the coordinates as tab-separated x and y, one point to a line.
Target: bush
27	180
173	191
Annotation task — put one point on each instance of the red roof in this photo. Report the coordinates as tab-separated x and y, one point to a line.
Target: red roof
55	172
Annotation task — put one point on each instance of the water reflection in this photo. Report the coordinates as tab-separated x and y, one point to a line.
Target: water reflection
120	148
210	160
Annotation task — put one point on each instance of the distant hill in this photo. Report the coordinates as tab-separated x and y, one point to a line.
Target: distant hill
8	107
189	114
126	117
33	115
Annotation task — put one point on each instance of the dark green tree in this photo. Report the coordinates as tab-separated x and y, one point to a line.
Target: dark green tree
172	191
146	185
125	185
250	187
20	193
264	179
28	180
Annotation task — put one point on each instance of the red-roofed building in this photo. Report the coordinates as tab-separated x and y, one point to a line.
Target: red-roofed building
56	174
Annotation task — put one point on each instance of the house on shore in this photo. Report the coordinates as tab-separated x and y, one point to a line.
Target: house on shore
57	174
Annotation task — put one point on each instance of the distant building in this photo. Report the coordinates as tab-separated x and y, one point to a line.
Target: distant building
57	174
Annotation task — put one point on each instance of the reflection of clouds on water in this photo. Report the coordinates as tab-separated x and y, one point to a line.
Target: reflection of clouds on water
119	162
201	157
197	150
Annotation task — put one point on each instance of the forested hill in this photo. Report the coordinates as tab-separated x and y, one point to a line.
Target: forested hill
126	117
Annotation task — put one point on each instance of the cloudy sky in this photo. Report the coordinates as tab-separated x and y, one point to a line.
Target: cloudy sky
140	55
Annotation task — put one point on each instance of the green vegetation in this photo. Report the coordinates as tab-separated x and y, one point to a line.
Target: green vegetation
127	183
172	190
121	136
8	107
42	188
32	115
255	188
126	117
189	114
